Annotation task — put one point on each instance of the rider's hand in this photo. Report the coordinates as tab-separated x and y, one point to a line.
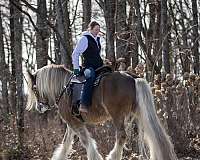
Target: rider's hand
76	72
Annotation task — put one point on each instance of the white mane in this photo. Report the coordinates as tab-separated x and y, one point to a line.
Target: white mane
49	83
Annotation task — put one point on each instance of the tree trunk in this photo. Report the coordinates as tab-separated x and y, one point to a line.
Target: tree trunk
64	51
12	85
55	38
184	54
18	23
164	36
3	73
42	35
157	32
68	31
87	7
109	14
150	61
195	36
121	27
133	45
122	39
149	39
150	30
16	63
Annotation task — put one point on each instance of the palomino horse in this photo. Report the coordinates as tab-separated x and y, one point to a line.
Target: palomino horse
118	97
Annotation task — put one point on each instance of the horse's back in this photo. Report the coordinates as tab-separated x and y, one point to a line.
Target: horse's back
119	90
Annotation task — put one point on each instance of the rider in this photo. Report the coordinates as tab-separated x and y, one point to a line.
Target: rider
89	48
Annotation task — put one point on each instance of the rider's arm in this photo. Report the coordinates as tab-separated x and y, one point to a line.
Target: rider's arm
79	49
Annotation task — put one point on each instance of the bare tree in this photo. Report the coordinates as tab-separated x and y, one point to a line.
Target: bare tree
156	33
64	50
13	59
109	8
144	37
87	7
184	54
133	44
19	76
68	31
41	35
175	28
4	73
195	36
16	66
121	31
164	36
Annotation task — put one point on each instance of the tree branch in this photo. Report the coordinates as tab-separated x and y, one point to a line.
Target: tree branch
75	13
29	6
51	60
100	3
47	21
26	13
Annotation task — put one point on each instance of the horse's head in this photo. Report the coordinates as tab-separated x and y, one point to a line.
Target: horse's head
34	99
44	86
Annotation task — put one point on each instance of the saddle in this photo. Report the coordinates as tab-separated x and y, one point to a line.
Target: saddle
76	86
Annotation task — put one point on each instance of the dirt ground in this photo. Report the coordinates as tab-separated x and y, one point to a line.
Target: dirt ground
41	137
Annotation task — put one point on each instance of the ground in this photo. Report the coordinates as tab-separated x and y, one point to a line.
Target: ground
42	137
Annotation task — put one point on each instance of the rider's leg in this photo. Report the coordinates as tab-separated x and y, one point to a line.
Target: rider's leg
86	96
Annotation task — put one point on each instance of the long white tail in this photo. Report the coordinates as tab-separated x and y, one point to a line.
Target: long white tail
150	128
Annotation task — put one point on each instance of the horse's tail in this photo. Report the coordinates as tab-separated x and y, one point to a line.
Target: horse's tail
150	128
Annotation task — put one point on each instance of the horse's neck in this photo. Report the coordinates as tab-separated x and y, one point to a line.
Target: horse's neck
57	86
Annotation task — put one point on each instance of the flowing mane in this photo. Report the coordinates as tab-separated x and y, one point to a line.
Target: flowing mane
49	81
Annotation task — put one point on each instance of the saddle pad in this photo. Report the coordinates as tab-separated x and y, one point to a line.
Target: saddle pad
76	92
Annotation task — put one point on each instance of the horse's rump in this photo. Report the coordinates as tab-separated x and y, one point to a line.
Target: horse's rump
114	96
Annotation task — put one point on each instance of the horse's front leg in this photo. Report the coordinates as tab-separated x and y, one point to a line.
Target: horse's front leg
64	148
117	151
89	144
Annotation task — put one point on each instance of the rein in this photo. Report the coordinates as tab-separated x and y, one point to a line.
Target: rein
64	89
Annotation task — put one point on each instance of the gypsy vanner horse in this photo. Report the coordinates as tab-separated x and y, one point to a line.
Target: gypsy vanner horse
118	97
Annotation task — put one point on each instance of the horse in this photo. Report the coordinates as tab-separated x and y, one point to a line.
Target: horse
118	97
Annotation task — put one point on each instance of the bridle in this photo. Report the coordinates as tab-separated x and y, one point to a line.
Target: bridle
64	89
45	104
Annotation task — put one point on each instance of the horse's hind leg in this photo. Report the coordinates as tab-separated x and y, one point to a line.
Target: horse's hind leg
63	150
89	144
116	153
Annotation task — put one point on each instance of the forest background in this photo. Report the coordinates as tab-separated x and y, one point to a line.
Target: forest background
156	39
